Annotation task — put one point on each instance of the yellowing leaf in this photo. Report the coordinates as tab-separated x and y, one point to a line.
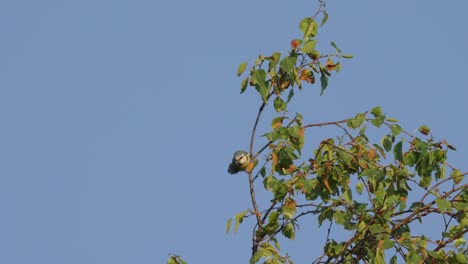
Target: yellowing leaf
347	56
277	124
327	184
274	159
239	219
330	65
424	129
307	76
241	68
291	203
228	225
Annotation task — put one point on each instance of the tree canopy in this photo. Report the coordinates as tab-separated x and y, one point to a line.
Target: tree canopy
371	178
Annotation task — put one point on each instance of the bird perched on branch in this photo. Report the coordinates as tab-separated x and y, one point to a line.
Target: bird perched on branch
240	161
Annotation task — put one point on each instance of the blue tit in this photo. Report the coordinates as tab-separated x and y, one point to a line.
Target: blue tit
240	161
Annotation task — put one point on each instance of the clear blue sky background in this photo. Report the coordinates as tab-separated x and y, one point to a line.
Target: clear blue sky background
119	118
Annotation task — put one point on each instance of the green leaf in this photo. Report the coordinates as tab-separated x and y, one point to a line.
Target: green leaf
379	257
290	95
357	121
241	68
457	176
379	116
388	244
228	225
289	208
304	24
459	242
325	18
393	120
398	151
277	245
334	45
269	182
288	63
296	136
309	46
396	129
280	189
425	181
348	196
443	205
377	111
379	192
308	27
274	60
359	187
387	143
339	217
347	56
262	87
279	104
461	258
376	229
378	121
244	84
323	82
410	159
273	223
176	260
413	257
346	159
288	231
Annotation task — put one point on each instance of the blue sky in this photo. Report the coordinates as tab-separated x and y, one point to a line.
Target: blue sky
119	118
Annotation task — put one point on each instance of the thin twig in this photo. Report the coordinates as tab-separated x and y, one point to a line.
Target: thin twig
251	178
443	244
410	218
327	123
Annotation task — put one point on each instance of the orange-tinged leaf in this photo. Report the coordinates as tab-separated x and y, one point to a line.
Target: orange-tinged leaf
371	154
277	124
291	168
307	76
274	159
250	166
295	43
290	203
380	244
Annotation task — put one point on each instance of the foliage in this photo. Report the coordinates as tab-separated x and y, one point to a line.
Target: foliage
350	180
174	259
367	187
